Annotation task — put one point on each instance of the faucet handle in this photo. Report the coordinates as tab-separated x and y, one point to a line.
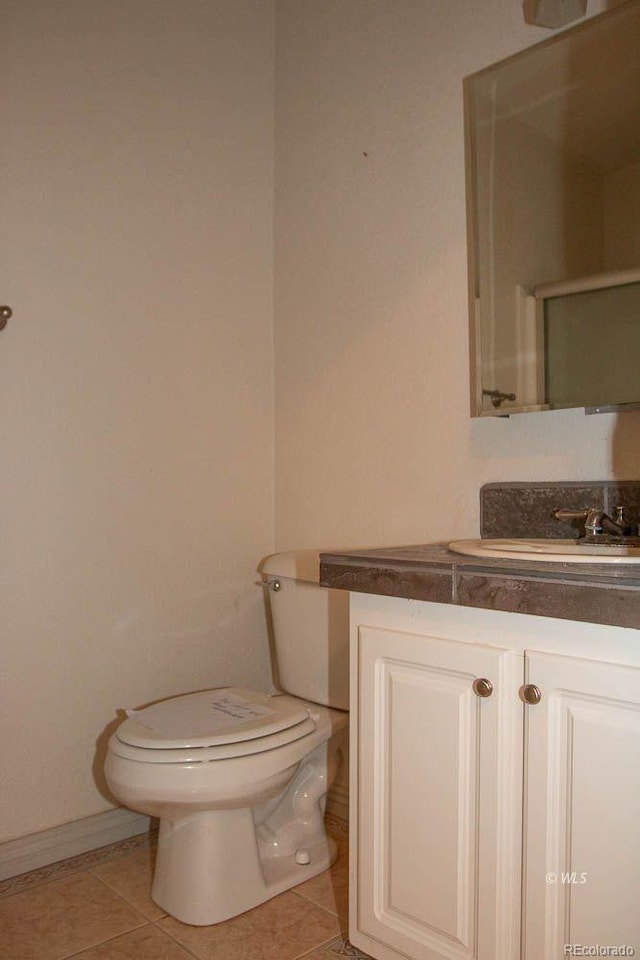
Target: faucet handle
591	518
629	528
561	514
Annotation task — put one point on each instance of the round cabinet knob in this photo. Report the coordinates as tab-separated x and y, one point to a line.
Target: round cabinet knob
482	687
531	694
5	314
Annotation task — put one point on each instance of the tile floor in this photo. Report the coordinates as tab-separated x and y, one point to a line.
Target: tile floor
97	907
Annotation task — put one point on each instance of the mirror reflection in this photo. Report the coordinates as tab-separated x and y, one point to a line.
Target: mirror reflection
553	166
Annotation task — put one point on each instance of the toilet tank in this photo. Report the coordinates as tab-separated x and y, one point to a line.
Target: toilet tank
310	629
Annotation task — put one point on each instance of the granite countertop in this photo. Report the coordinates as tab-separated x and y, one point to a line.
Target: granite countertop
595	593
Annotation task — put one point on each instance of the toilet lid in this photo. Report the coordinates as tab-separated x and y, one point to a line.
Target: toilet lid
210	718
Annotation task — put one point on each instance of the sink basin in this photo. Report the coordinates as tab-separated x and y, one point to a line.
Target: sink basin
558	551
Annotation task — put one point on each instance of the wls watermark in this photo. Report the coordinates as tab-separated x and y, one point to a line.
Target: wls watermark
598	950
567	877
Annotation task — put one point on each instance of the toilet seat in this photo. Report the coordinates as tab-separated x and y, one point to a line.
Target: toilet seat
213	724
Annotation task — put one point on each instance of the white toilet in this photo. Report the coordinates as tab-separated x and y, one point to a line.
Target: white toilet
238	778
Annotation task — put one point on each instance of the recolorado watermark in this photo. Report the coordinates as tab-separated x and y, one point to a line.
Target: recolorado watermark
598	950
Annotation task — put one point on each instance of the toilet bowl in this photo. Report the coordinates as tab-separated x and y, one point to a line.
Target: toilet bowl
239	778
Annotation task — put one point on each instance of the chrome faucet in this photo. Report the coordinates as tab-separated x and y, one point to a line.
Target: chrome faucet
596	522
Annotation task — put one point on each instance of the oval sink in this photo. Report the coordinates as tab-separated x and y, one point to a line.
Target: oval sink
560	551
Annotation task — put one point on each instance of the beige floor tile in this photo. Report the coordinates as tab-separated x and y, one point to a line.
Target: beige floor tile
331	888
145	943
62	917
130	877
280	929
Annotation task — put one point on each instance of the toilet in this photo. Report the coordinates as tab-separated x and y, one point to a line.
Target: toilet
238	778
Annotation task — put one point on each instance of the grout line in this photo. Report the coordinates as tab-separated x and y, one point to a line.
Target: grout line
167	933
314	903
332	913
117	894
125	899
100	943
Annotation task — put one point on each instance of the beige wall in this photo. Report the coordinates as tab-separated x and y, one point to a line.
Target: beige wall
136	376
374	444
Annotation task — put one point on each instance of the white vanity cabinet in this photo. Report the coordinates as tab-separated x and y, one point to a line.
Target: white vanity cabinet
481	826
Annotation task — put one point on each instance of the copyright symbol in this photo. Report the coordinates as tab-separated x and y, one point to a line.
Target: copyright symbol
551	877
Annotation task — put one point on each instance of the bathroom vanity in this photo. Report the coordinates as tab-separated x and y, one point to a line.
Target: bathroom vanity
495	744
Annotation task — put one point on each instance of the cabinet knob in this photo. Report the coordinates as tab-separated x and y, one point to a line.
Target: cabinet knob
5	314
531	694
482	687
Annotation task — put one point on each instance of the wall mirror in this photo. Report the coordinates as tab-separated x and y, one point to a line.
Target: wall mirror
553	198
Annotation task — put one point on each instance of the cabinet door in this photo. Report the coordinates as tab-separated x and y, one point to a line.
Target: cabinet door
439	799
582	813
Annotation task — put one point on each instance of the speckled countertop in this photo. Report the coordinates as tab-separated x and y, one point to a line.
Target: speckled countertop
596	593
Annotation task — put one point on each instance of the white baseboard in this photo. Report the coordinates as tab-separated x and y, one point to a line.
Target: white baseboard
69	840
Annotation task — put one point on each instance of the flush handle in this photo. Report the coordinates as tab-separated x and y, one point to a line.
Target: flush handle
482	687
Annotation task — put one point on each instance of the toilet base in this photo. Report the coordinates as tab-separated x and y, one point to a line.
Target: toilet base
197	891
215	864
